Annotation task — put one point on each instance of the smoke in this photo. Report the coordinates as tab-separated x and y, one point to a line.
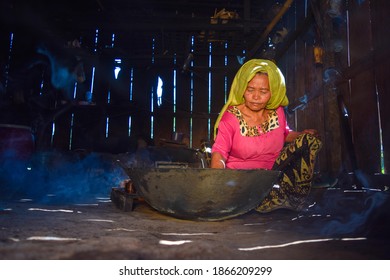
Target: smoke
351	212
74	177
65	69
357	218
53	177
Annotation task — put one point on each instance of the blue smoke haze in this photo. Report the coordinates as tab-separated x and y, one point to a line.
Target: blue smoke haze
53	177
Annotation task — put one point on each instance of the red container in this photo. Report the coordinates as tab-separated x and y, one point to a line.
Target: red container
16	141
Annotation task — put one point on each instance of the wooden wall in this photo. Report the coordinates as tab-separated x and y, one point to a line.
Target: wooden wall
365	86
363	64
381	62
356	49
200	94
304	79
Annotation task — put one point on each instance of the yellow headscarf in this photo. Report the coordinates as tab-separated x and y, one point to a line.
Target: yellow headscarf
247	71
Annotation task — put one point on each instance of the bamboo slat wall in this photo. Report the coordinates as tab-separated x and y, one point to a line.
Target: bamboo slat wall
381	21
363	64
192	98
367	93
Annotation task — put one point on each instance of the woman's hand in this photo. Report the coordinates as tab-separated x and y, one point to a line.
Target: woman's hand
217	161
294	134
313	132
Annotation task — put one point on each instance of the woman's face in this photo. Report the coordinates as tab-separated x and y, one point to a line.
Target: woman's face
257	93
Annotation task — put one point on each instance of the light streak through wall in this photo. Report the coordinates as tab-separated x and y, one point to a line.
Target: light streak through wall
152	97
209	92
191	91
174	94
131	96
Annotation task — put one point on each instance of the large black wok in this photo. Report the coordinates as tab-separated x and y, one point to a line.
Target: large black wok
202	193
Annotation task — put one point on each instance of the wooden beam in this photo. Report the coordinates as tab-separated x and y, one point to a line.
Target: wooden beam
315	8
268	29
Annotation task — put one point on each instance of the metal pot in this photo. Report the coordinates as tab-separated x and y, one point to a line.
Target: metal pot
202	193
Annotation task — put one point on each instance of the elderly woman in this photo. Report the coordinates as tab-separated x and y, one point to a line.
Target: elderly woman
251	132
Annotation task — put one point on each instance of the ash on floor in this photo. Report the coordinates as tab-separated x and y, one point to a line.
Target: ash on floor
339	223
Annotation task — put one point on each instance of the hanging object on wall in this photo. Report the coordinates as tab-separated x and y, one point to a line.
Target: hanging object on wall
220	17
318	55
223	16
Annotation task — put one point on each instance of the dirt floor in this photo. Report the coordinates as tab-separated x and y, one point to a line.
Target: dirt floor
56	210
30	230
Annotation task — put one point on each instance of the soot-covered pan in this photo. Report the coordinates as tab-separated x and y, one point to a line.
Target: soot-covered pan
202	193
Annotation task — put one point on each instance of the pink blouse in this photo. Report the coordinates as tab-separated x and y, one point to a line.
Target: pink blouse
243	150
